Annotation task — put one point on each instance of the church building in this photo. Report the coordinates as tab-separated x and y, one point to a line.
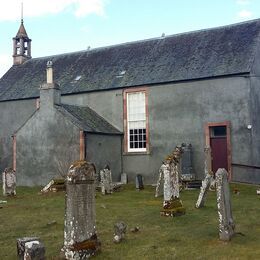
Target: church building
129	105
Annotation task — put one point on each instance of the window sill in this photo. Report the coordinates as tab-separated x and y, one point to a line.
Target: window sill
136	153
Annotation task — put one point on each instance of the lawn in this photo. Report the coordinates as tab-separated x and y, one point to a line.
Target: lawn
194	235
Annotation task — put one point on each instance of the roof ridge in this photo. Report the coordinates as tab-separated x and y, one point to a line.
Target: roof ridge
95	49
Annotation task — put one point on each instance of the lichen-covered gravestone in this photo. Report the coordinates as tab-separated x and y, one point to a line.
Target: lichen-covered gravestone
80	239
172	205
9	182
226	223
207	180
106	180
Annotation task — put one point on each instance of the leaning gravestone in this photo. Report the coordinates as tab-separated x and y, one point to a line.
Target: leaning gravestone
9	182
80	239
226	223
208	178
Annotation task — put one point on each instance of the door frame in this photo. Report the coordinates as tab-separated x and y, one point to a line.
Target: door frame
207	141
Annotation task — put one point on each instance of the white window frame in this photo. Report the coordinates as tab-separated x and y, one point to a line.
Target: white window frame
139	118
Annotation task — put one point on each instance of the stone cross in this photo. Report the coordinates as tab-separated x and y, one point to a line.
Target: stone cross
9	182
80	239
207	180
226	223
106	180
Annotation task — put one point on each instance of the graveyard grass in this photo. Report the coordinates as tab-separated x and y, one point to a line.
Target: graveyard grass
194	235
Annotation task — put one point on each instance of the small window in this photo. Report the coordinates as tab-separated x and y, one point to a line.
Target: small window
218	131
136	122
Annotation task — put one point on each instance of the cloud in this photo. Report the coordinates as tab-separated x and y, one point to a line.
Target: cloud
11	10
243	2
245	14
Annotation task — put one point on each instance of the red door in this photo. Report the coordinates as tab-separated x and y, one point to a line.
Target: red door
219	153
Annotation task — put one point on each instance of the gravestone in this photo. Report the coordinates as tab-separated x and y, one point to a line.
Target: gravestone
207	180
124	178
165	177
226	223
34	250
9	182
24	245
172	205
187	173
106	180
119	231
80	239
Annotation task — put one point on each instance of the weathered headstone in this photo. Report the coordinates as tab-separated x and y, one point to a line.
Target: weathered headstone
139	182
187	173
21	245
34	250
106	180
9	182
172	205
124	178
165	178
119	231
175	167
80	238
207	180
226	223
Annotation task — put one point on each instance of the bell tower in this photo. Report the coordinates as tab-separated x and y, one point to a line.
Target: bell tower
21	45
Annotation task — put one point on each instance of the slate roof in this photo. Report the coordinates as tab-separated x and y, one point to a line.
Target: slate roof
200	54
88	119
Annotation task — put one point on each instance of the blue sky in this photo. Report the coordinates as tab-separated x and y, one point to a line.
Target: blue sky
58	26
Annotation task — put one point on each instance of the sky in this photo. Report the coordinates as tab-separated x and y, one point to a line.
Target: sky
60	26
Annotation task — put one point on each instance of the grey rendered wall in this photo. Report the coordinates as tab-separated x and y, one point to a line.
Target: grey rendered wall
177	114
252	174
108	104
103	150
12	115
46	146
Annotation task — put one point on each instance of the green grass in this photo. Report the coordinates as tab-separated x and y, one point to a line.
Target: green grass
194	235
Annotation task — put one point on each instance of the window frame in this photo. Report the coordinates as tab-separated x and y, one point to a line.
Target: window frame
127	149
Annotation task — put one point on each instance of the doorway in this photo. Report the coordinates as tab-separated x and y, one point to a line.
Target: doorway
218	138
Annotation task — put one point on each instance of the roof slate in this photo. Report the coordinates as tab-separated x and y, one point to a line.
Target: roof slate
207	53
88	119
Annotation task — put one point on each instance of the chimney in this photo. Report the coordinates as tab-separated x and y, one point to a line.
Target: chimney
49	91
